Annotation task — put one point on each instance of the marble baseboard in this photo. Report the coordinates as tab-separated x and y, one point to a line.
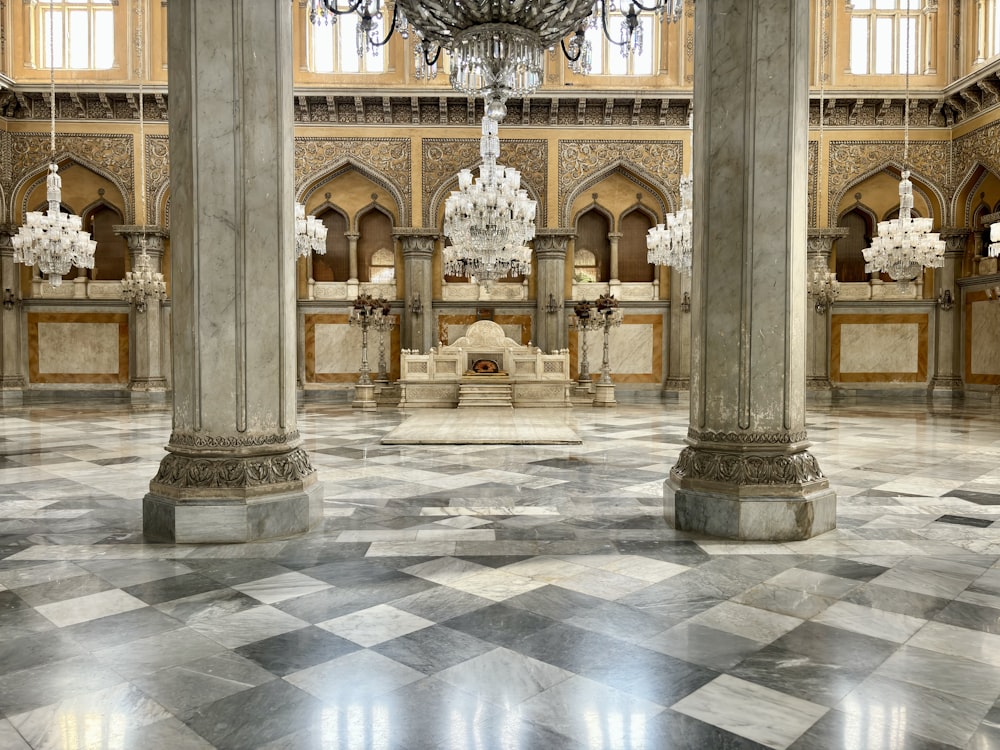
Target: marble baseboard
231	520
779	518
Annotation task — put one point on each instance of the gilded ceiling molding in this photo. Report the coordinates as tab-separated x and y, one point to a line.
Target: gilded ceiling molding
442	158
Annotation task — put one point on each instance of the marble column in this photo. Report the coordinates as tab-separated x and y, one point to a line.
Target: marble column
746	473
679	349
417	320
235	470
819	247
352	255
550	288
947	378
147	381
12	381
614	282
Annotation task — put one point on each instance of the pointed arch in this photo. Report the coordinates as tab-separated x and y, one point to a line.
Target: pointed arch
964	201
309	184
666	198
925	188
32	178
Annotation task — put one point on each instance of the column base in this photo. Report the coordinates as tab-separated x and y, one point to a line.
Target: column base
364	397
777	518
12	396
677	384
152	391
948	387
224	520
604	394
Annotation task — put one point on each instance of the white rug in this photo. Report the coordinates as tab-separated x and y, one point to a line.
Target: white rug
484	426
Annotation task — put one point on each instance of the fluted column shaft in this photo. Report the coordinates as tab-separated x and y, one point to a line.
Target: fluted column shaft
550	289
820	248
235	469
418	319
746	473
12	379
947	378
679	352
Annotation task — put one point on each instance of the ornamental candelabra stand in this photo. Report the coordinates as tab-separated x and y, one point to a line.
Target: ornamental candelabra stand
383	323
584	320
609	317
363	315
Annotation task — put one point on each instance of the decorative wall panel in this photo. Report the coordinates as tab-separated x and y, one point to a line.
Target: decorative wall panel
879	348
333	350
78	348
635	350
982	347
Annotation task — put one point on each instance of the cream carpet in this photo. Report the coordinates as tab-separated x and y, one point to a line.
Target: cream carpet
485	426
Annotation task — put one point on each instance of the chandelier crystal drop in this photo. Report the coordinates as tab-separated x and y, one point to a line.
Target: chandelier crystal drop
994	246
670	244
496	49
906	245
142	284
310	233
489	220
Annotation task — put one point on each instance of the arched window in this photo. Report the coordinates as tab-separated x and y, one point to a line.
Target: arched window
592	230
76	34
850	249
632	263
885	36
375	230
335	265
333	48
607	58
112	249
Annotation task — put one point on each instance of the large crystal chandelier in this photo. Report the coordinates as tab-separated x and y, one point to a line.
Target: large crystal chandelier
54	240
669	244
497	49
994	246
491	219
905	246
310	233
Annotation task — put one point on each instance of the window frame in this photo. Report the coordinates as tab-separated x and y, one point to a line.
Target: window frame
60	55
909	12
339	38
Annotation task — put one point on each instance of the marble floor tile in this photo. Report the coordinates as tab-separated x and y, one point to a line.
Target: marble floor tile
746	621
357	677
281	587
148	655
956	641
889	626
947	673
503	677
758	713
703	645
368	627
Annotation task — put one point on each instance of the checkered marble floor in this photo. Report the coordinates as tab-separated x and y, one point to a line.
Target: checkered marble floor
503	597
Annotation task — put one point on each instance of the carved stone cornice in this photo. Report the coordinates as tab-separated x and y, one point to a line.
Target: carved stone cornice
742	469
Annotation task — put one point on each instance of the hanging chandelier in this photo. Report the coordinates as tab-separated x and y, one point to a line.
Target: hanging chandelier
491	219
496	49
53	240
906	245
994	246
310	233
142	284
670	244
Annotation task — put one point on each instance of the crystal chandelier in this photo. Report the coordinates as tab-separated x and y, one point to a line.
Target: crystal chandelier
489	220
310	233
906	245
497	49
994	246
142	284
669	244
823	285
54	240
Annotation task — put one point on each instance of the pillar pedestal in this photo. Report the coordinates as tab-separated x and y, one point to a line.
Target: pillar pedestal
604	394
235	470
746	473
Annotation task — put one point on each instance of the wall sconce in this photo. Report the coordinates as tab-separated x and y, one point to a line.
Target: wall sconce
945	299
552	307
8	299
686	302
416	306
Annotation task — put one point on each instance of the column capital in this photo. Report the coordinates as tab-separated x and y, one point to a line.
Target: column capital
6	232
416	240
552	243
134	234
955	239
820	239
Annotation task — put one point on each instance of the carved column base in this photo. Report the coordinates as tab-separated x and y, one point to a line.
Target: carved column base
749	495
148	390
948	387
364	397
819	383
677	384
604	394
227	489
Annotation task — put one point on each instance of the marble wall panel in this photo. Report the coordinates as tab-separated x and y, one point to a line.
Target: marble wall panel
78	348
879	348
635	350
982	348
333	350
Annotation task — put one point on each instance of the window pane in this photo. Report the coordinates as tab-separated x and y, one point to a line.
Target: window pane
859	46
883	46
908	45
79	39
104	39
642	65
886	4
862	4
617	64
596	39
995	49
52	32
347	34
323	48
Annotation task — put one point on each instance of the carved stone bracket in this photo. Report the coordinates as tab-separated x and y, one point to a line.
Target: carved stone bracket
746	468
